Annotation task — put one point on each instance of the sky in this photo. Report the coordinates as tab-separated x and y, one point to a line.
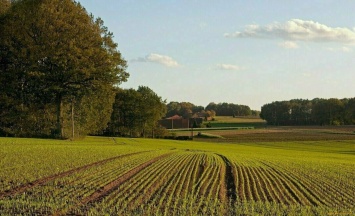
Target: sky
243	52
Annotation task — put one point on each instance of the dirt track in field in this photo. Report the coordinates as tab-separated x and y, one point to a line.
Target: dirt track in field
110	187
44	180
230	188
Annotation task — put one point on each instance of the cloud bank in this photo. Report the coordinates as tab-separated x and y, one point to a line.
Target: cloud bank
160	59
297	30
228	67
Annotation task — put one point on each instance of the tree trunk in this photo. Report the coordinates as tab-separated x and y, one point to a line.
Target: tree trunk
72	119
59	129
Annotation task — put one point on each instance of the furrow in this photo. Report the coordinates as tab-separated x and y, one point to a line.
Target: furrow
108	188
43	181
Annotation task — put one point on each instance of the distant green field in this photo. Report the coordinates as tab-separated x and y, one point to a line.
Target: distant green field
229	121
125	176
238	119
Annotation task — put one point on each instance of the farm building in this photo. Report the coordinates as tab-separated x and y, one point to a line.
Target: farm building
177	122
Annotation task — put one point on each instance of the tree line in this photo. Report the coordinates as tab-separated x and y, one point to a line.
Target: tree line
184	109
230	109
310	112
187	109
60	70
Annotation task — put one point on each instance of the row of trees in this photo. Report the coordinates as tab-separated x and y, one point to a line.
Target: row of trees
58	69
187	109
310	112
184	109
136	112
230	109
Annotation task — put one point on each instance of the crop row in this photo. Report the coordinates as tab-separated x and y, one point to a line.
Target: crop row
321	189
204	179
180	181
24	161
286	183
61	194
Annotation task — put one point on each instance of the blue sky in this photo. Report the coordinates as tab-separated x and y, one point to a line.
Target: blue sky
244	52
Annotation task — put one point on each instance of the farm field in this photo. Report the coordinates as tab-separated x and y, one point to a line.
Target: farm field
241	121
227	129
125	176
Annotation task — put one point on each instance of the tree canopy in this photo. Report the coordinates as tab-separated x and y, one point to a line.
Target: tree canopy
229	109
136	112
310	112
52	54
184	109
4	6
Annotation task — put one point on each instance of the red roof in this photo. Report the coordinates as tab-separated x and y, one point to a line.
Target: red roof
175	117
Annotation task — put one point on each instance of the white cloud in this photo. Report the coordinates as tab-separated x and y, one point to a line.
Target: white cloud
288	45
228	67
160	59
298	30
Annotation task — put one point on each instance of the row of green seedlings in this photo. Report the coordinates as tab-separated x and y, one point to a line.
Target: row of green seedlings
247	187
188	201
65	192
208	185
26	163
180	191
167	198
165	195
255	183
244	208
62	189
130	193
27	171
322	189
138	189
304	191
103	179
335	180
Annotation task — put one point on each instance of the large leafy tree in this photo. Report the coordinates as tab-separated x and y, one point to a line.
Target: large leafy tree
136	112
184	109
4	5
54	52
328	112
350	111
91	113
152	109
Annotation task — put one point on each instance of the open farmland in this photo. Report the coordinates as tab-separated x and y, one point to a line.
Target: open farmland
123	176
241	121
